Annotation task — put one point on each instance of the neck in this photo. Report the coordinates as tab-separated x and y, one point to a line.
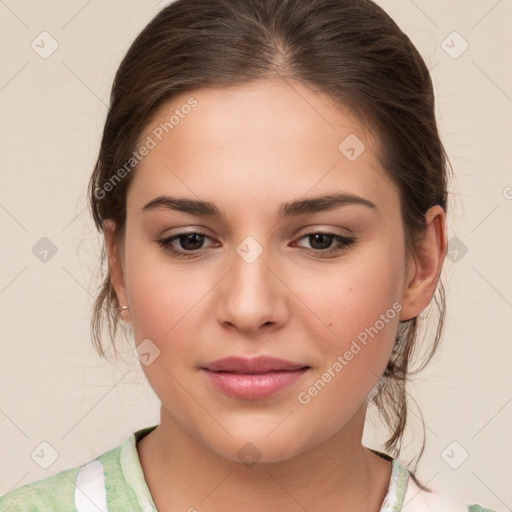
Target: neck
338	474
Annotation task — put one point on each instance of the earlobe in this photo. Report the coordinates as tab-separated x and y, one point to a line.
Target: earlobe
425	265
115	265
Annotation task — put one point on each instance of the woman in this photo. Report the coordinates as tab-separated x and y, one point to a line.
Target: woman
272	190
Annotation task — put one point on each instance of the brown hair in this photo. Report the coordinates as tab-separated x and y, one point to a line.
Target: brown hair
351	50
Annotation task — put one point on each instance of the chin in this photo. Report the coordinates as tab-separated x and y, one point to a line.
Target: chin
251	448
260	451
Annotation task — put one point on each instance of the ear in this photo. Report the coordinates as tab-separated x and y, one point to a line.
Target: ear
424	265
115	265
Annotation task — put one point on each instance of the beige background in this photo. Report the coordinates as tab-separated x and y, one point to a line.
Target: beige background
53	386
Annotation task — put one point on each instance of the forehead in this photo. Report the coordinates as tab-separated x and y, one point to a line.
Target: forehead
263	139
286	111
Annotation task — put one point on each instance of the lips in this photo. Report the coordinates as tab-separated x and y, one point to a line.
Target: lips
254	378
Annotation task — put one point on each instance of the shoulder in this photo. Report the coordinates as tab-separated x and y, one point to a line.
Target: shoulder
70	490
418	500
406	494
76	489
54	493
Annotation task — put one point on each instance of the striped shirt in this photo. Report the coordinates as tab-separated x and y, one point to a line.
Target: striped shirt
114	482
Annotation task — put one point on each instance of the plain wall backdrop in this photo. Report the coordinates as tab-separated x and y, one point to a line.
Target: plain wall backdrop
58	63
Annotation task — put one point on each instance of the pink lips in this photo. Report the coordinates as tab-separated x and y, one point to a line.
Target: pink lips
255	378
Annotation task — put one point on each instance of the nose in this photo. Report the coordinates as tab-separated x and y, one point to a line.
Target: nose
252	296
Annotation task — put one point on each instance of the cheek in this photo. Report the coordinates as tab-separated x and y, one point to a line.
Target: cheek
358	305
350	296
167	308
165	298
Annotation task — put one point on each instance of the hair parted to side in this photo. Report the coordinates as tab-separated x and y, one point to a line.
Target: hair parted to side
349	49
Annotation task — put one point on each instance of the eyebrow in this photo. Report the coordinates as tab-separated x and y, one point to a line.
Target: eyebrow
288	209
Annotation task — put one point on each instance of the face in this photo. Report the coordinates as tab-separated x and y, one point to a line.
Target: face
266	269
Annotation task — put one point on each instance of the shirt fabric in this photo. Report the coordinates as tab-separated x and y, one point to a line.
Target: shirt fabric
114	482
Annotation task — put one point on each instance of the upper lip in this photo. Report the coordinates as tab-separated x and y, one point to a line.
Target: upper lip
259	364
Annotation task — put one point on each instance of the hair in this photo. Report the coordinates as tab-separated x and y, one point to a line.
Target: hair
350	50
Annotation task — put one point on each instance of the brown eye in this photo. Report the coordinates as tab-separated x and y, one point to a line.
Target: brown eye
191	244
320	240
327	244
191	241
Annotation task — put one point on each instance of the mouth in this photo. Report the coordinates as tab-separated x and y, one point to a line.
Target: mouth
253	379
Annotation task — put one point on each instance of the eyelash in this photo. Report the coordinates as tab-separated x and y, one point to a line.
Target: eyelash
345	242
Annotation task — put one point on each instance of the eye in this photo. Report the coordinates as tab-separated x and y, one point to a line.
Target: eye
184	244
191	244
322	243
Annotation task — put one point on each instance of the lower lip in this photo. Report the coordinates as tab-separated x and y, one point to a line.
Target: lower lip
253	386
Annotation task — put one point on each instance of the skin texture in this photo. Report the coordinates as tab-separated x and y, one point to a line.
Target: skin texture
249	150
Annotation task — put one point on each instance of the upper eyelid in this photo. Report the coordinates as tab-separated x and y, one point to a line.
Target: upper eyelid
200	231
347	240
176	236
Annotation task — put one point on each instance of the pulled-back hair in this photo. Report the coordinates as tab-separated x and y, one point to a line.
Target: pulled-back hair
349	49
